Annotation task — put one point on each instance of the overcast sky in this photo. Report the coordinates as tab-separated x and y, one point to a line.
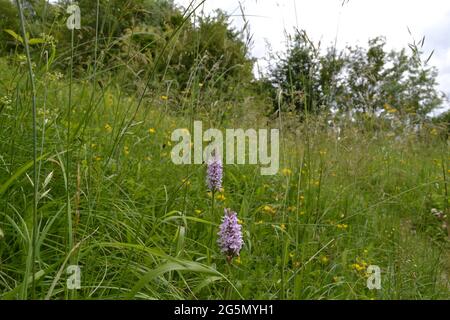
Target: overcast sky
353	23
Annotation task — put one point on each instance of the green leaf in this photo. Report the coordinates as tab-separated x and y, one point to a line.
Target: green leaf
36	41
174	264
206	282
180	265
429	57
12	295
4	186
14	35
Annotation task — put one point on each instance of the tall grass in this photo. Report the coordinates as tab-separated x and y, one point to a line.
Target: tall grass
32	245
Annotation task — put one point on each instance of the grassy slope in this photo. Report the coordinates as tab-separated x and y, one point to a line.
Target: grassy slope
140	223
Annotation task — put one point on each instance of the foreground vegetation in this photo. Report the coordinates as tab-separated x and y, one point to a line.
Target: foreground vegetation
138	224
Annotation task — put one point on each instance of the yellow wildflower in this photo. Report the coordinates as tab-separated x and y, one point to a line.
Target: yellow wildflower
151	130
342	226
220	197
269	209
108	128
165	98
286	172
358	267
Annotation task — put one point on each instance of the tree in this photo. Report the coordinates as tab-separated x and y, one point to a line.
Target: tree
213	50
9	19
357	80
296	74
365	76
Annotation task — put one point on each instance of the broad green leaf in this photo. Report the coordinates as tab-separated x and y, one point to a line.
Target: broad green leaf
181	265
14	35
36	41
